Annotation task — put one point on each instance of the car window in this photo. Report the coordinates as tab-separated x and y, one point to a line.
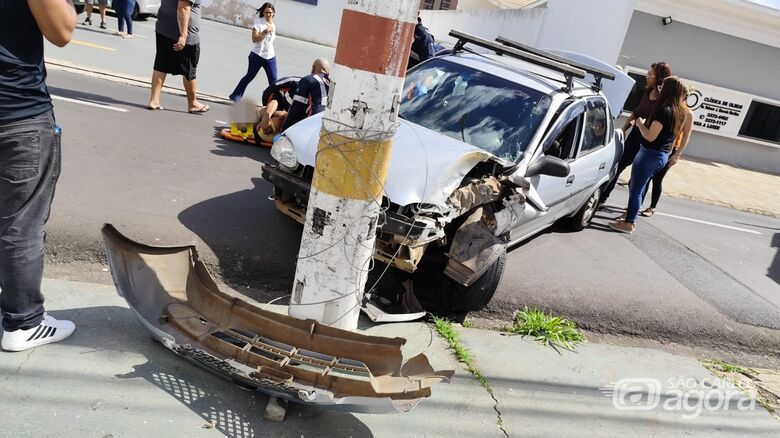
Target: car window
564	145
595	133
483	110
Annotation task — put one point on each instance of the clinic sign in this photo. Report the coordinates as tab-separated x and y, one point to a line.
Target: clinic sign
717	110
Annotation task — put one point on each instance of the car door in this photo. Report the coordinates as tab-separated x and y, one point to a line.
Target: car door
588	165
548	198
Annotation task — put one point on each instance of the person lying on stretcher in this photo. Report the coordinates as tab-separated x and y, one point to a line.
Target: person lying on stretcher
286	102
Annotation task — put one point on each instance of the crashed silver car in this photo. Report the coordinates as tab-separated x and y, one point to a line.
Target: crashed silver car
490	149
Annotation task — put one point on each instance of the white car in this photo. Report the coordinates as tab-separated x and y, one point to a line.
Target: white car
490	149
143	8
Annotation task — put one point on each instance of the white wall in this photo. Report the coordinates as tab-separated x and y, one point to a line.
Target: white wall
593	27
317	24
519	24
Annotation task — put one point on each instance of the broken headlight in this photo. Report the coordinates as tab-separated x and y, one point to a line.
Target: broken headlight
283	151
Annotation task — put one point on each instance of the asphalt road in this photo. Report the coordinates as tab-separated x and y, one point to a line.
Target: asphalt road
691	274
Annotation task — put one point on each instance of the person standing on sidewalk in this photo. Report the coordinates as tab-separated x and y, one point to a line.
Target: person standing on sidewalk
262	54
29	166
178	50
680	142
101	7
655	77
124	15
658	133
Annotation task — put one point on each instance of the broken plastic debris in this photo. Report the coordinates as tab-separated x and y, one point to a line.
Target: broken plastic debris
175	298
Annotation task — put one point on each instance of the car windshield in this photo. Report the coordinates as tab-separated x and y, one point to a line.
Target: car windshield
475	107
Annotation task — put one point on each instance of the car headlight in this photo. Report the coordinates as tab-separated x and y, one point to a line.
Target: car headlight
283	151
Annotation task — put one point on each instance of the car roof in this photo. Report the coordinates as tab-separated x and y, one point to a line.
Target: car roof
524	73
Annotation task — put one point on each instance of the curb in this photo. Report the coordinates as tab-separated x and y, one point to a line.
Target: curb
143	82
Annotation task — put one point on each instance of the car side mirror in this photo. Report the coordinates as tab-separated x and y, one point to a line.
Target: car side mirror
547	165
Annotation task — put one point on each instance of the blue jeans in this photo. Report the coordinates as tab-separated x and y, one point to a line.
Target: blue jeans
124	14
646	164
255	63
29	169
630	149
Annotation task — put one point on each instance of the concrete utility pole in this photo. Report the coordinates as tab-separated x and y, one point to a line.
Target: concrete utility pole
352	160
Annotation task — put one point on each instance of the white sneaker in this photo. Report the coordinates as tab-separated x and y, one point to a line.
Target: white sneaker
48	331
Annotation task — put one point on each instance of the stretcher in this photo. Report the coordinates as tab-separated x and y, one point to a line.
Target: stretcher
244	133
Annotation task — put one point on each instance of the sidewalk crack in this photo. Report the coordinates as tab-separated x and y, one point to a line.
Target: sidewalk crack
445	330
32	350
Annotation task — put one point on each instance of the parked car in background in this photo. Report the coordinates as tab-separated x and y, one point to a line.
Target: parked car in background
143	8
490	149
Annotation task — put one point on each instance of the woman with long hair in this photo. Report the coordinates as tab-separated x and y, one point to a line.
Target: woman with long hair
657	135
262	54
655	76
680	142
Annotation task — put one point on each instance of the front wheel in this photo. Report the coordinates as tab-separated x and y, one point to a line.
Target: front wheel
582	218
478	294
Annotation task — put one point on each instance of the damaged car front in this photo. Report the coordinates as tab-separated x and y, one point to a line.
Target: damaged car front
453	190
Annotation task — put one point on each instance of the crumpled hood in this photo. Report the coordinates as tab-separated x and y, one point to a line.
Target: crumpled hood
425	166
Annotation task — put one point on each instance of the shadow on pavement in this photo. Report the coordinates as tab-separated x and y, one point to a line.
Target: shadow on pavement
255	244
232	411
226	148
94	98
774	269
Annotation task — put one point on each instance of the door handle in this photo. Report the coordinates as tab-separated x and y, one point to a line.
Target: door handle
569	180
602	166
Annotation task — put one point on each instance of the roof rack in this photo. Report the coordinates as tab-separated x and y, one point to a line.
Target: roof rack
596	72
569	71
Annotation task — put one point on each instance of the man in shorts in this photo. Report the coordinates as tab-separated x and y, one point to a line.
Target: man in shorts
178	50
101	7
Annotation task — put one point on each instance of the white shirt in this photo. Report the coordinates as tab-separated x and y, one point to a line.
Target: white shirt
264	47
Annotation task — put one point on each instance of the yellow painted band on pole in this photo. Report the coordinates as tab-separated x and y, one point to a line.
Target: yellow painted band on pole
95	46
351	169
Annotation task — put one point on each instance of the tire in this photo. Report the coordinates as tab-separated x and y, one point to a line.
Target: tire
582	218
79	8
478	295
136	15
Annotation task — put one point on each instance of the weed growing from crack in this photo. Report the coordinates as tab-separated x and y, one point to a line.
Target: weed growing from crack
446	331
725	367
467	323
550	330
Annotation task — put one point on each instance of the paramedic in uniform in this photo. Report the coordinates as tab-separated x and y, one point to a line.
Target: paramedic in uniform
311	94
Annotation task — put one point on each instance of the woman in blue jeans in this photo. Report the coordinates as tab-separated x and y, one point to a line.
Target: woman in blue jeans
262	54
124	15
658	133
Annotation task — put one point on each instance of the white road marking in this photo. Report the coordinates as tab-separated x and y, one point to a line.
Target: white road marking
96	105
709	223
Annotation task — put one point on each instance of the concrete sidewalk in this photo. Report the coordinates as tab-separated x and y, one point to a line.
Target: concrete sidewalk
110	380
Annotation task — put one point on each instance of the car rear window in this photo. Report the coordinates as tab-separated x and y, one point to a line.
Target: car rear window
475	107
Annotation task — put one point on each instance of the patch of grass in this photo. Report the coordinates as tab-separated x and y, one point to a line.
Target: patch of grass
467	323
550	330
725	367
446	331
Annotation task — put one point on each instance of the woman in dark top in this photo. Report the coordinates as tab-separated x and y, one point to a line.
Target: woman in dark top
655	76
680	142
657	135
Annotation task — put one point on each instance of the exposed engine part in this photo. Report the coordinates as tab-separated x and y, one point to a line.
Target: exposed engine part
474	248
